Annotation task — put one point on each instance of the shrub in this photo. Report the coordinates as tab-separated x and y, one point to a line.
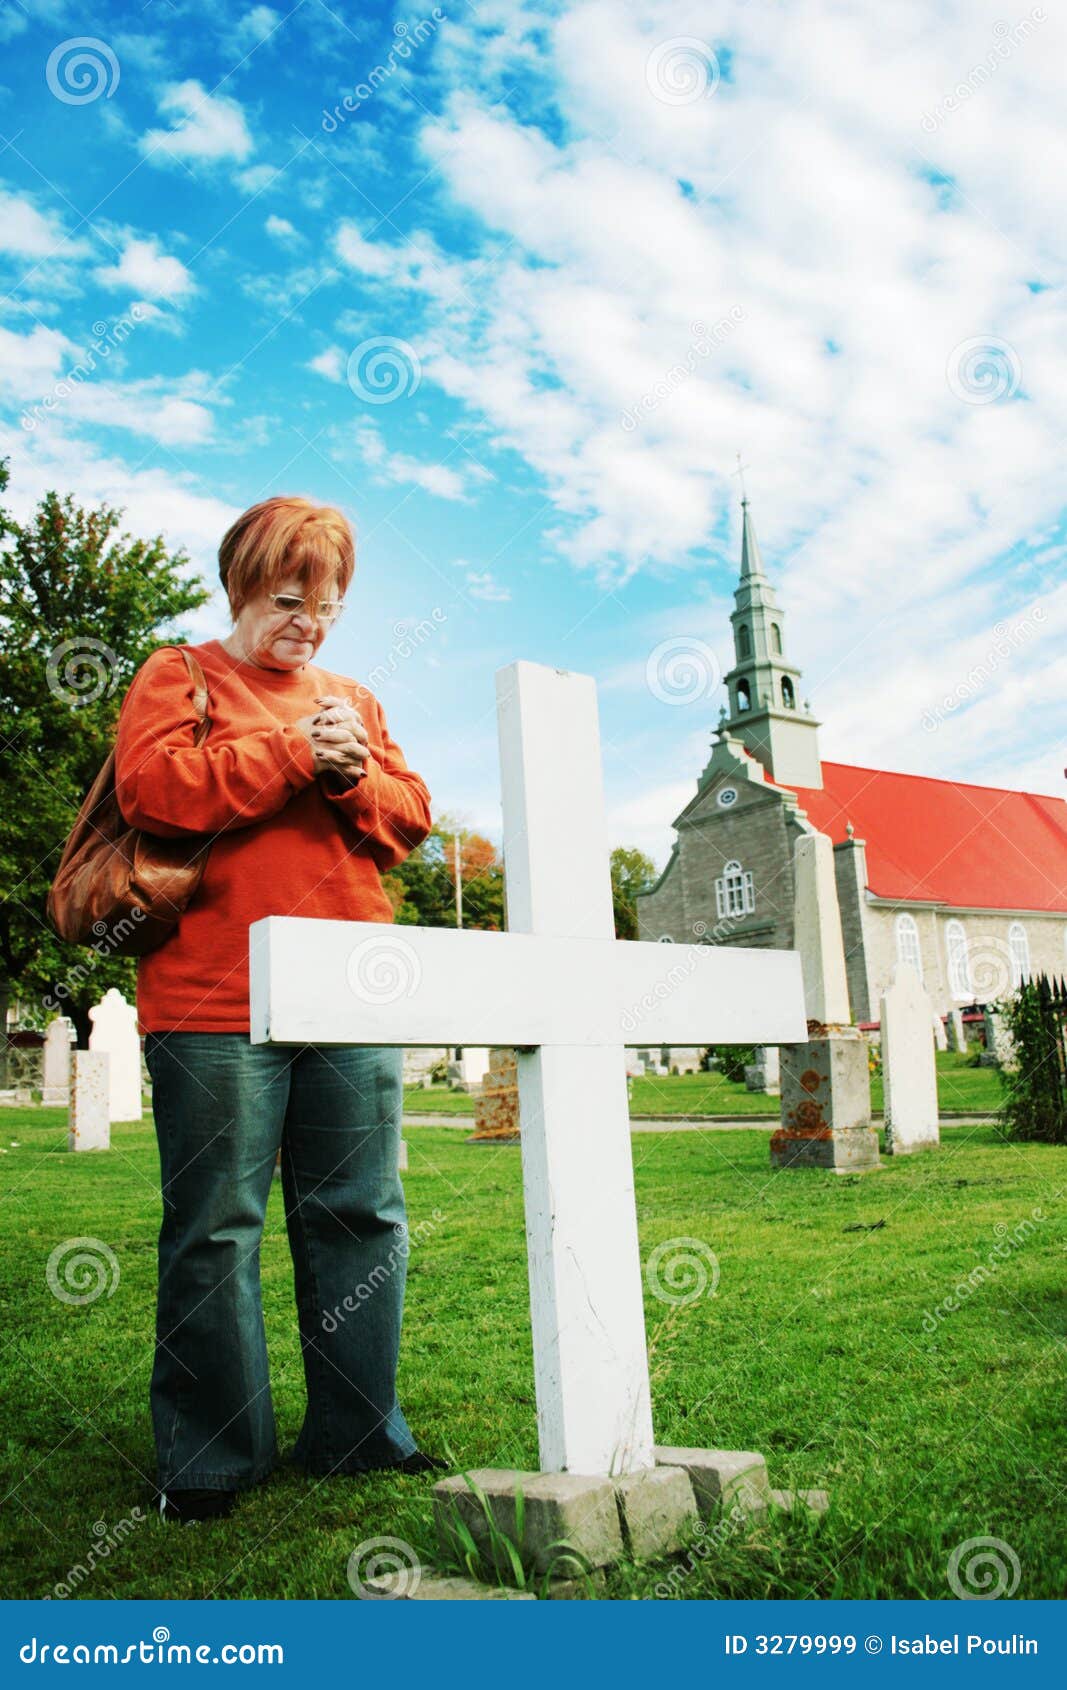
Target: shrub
1035	1106
732	1060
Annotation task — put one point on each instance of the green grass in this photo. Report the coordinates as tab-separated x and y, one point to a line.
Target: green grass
959	1087
812	1350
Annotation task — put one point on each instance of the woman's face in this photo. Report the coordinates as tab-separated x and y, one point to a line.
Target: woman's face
282	637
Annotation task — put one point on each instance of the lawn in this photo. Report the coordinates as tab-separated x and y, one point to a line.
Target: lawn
822	1347
959	1087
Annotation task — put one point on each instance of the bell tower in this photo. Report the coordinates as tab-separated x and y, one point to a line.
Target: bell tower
765	710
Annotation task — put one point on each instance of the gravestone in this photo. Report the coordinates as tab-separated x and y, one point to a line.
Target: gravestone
825	1081
562	991
469	1069
55	1082
765	1073
115	1031
940	1035
954	1031
89	1121
999	1049
496	1107
909	1072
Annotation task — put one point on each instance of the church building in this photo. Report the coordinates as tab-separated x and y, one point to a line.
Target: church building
966	883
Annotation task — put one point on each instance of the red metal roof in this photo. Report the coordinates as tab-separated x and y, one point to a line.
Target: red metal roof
947	841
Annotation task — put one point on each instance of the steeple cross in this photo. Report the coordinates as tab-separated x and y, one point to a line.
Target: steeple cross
740	473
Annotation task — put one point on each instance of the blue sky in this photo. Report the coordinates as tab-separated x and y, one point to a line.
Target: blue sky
513	284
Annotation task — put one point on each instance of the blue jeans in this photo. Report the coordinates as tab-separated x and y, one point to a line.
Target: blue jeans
223	1107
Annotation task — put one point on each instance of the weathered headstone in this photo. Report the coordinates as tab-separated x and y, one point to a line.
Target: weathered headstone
954	1031
909	1072
469	1068
55	1081
496	1107
826	1085
115	1031
999	1049
559	989
89	1121
765	1073
940	1035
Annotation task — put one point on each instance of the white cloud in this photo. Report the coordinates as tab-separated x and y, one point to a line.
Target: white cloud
280	229
330	363
26	232
210	128
144	268
481	584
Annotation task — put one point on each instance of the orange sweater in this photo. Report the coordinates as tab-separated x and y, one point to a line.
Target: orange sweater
283	842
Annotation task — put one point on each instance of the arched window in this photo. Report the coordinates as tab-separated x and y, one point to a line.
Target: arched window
744	701
734	891
744	643
1019	946
959	963
908	948
776	637
788	696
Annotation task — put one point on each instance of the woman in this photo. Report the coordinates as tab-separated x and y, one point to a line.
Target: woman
305	799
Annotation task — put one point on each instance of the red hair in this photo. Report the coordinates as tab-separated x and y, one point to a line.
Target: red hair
287	536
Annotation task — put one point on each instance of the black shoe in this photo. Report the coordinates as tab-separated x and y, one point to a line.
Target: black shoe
185	1506
419	1462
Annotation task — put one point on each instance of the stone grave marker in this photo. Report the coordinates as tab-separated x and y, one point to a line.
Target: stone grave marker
909	1072
115	1031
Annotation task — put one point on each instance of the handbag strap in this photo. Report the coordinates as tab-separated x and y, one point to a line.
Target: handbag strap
200	695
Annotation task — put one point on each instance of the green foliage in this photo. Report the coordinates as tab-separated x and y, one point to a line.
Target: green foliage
81	607
631	872
423	887
1035	1105
732	1060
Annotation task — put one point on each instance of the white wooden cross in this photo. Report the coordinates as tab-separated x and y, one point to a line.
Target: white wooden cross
561	989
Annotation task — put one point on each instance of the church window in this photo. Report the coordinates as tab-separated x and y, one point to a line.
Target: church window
788	696
735	893
908	948
959	963
776	638
1019	946
744	643
744	698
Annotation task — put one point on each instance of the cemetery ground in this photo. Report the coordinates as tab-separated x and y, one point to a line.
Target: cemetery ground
896	1338
961	1089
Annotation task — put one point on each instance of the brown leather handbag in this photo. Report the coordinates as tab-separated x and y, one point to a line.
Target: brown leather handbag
116	884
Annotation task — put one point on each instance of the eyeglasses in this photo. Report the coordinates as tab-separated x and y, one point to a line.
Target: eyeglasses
325	610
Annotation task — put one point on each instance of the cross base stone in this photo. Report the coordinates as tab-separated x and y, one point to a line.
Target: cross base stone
646	1513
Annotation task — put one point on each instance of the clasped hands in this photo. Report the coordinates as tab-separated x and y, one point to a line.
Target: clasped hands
338	740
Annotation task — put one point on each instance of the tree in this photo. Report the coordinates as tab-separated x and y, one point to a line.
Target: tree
81	607
631	872
423	888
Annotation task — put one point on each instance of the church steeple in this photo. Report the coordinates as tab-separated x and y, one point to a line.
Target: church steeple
763	687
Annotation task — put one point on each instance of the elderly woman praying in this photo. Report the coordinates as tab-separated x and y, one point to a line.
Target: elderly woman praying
305	800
